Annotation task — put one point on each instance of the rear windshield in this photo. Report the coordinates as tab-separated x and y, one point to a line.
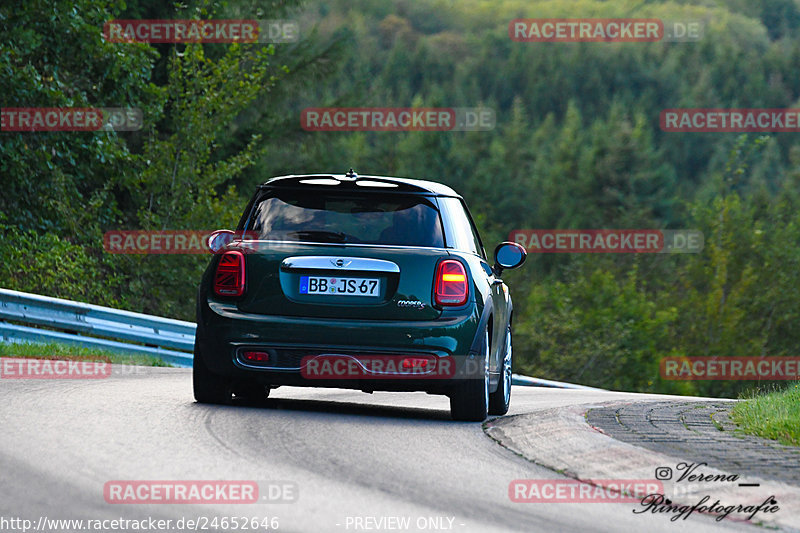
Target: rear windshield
394	219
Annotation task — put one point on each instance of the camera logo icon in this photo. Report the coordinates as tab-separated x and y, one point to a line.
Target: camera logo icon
663	473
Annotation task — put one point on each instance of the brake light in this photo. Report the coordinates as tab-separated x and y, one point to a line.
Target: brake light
229	277
451	284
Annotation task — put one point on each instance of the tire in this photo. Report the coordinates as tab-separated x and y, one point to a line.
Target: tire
500	400
469	402
209	387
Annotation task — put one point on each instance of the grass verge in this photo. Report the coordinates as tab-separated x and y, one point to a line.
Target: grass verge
55	350
775	415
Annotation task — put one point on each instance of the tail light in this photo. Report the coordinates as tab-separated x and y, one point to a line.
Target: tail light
229	277
451	284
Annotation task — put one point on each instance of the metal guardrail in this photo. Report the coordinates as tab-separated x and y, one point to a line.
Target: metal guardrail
526	381
94	326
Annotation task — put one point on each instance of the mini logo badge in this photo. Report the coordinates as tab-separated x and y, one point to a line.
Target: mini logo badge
341	263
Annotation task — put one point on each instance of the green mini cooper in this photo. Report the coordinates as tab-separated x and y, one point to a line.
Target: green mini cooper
359	282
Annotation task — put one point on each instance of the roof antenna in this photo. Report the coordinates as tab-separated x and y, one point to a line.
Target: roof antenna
351	174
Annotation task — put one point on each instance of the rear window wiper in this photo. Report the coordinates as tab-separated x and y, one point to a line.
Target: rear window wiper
319	235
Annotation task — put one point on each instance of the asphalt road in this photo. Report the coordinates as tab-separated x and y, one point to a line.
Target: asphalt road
353	459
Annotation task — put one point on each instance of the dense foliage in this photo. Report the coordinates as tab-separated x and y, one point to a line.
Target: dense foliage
577	145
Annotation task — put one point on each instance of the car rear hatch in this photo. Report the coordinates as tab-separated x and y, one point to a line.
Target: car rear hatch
340	282
341	250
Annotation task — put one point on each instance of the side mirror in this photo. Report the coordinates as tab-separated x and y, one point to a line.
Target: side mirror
508	255
219	239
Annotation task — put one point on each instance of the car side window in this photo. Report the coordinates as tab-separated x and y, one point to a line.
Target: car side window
460	231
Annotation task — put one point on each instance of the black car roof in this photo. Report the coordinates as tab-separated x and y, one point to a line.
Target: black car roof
362	183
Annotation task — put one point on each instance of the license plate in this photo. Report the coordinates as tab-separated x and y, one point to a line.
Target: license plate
340	286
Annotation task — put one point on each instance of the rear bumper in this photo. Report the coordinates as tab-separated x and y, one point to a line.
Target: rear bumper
224	332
